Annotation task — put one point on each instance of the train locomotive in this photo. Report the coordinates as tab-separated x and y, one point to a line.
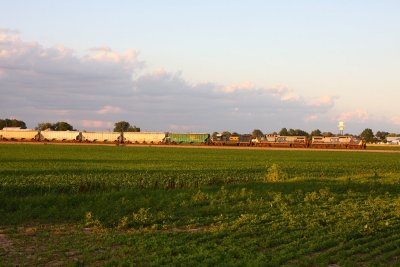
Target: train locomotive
318	142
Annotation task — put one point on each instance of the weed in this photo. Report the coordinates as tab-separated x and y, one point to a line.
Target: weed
275	174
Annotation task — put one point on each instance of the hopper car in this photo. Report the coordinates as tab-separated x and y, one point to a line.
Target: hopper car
103	137
143	137
19	135
187	138
59	136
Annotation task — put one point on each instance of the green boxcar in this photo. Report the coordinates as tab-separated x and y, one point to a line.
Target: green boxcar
188	138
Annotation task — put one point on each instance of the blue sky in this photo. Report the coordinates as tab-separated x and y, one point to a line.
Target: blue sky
202	65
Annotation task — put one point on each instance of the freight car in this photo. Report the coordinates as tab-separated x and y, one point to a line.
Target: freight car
143	137
340	142
281	141
60	136
9	134
187	138
103	137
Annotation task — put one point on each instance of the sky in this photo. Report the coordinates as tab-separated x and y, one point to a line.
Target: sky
202	66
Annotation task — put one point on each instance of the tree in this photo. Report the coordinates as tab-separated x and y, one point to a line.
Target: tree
297	132
214	135
327	134
316	132
367	135
226	133
44	126
291	132
121	126
301	133
58	126
257	133
283	132
62	126
124	126
382	135
133	129
12	123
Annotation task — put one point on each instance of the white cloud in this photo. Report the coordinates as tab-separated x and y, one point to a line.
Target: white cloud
105	54
323	101
96	124
359	115
57	83
183	127
109	110
8	36
284	93
395	120
245	86
290	97
310	118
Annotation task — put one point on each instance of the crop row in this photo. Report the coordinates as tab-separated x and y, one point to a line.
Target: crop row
40	169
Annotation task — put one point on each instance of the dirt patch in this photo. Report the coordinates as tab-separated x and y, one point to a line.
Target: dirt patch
45	245
5	244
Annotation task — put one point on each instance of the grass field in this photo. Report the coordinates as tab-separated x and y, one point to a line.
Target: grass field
110	205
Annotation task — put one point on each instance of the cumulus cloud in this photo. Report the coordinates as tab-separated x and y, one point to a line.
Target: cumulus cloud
395	120
312	117
246	86
96	124
109	110
103	86
327	101
359	115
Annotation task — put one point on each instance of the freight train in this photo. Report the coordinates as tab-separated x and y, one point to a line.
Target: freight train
337	142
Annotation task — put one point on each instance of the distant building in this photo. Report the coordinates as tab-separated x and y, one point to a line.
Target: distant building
393	140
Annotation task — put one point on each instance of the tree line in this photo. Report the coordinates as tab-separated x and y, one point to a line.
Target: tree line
367	134
63	126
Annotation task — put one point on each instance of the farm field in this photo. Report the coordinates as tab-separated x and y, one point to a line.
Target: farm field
383	147
116	205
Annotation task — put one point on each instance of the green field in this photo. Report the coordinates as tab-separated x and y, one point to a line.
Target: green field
115	205
383	147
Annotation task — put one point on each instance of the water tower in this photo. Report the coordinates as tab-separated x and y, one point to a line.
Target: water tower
341	127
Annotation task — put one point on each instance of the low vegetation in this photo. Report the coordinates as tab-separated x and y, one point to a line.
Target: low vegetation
93	205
